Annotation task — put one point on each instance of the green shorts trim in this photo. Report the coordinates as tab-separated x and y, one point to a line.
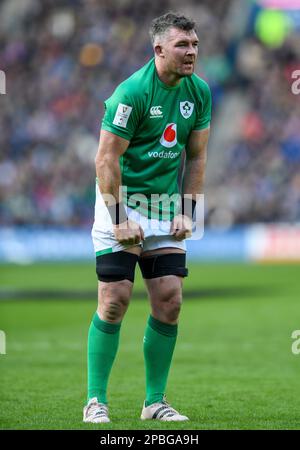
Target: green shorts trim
104	252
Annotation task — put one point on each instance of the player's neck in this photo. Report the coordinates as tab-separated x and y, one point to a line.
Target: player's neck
170	79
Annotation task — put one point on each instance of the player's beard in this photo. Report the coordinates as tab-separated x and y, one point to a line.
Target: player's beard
186	71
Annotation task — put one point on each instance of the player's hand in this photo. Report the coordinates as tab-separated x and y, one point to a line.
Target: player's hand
181	227
129	233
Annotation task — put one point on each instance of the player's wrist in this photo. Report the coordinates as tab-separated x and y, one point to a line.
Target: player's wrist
117	213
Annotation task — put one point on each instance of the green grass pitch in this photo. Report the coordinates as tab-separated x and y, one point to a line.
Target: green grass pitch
233	366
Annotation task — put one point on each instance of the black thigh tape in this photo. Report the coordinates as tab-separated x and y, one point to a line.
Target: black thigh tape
161	265
116	266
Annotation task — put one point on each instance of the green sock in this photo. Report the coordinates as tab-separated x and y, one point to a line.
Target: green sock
159	343
103	342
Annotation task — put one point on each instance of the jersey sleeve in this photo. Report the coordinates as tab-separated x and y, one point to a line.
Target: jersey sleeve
204	114
122	113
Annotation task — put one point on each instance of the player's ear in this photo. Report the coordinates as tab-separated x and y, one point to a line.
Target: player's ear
158	50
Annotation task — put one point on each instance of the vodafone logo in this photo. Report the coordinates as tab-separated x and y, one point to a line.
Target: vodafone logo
169	136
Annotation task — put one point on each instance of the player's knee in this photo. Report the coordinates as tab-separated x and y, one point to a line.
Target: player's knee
168	314
172	306
167	305
114	299
114	311
169	293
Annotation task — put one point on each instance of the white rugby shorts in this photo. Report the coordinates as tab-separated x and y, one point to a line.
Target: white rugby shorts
157	232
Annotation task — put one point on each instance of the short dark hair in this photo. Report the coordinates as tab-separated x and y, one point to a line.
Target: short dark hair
161	24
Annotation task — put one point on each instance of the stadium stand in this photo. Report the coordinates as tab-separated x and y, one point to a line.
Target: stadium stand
63	59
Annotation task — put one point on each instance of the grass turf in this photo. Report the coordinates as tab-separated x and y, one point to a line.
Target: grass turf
232	369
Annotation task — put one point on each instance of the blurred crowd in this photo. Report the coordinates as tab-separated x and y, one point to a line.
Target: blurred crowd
63	58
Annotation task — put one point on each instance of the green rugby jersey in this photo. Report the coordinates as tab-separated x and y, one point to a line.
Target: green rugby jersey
157	119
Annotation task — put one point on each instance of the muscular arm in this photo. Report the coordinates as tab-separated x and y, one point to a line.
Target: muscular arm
108	171
196	155
193	179
107	161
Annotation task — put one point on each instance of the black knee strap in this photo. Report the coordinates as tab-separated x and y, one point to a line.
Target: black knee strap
116	266
161	265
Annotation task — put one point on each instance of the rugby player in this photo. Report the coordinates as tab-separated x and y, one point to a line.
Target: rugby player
150	119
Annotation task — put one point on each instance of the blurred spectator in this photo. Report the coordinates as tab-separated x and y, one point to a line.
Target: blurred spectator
63	58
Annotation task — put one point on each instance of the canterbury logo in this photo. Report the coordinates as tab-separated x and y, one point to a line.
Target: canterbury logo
155	111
